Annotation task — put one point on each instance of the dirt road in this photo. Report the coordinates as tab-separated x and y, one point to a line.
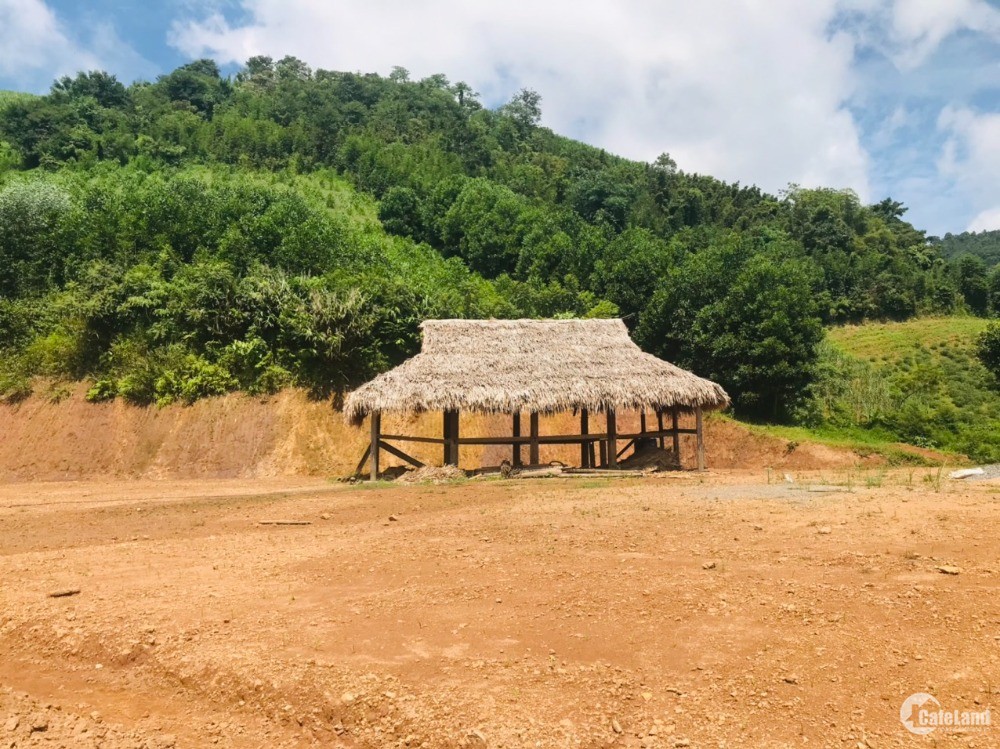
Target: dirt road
695	610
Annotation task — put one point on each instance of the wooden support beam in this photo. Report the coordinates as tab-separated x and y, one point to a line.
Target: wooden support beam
630	443
659	426
612	440
408	438
373	447
364	459
446	437
642	421
604	453
451	420
585	448
533	445
677	434
699	426
392	450
516	448
552	439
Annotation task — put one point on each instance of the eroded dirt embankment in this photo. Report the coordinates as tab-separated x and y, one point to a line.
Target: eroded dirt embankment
290	434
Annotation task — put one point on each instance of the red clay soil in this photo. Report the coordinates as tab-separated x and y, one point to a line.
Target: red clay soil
289	434
685	610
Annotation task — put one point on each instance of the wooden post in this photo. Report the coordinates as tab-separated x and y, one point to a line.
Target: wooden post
659	426
446	434
676	435
642	421
376	424
612	440
451	438
516	430
584	445
604	453
699	427
533	446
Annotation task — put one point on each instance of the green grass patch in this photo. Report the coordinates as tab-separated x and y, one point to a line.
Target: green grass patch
893	341
917	382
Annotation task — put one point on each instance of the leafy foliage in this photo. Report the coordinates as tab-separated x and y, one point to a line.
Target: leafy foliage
988	349
984	244
922	382
199	234
742	310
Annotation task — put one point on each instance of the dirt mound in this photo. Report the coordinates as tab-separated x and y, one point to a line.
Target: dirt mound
732	445
289	434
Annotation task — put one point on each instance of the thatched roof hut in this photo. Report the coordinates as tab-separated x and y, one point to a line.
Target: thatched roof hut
533	366
544	366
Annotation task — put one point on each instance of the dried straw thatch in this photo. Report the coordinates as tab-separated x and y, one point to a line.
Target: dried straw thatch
508	366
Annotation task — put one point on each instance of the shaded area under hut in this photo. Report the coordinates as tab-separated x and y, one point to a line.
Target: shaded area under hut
534	367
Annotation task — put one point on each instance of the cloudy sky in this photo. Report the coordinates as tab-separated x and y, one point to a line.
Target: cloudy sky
895	98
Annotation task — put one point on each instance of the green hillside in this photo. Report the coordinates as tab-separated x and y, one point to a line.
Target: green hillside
917	381
984	244
894	341
200	234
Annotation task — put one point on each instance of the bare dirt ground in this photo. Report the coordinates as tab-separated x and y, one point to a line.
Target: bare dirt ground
713	610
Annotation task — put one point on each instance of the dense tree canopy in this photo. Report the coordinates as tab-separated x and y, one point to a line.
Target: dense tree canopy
984	245
199	234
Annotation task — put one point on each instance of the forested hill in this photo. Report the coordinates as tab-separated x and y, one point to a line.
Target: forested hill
199	234
984	244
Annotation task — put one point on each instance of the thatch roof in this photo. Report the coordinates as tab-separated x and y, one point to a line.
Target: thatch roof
508	366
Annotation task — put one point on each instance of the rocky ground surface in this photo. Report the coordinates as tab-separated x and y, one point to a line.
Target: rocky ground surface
686	610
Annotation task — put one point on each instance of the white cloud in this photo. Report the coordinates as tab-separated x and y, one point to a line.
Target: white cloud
919	26
970	158
740	89
33	45
988	220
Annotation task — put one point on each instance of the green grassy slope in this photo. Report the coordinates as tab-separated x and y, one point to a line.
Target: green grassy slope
918	381
894	341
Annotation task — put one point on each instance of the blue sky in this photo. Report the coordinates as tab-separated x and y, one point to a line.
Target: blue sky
895	98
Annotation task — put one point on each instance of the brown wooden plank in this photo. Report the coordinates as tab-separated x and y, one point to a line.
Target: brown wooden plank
455	420
516	447
584	448
561	439
392	450
612	439
364	459
533	444
630	443
411	438
446	435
